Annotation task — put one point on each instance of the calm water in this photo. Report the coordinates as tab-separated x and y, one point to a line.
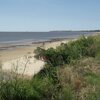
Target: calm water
12	37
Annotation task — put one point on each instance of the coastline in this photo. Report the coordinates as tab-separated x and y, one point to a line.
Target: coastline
7	45
18	44
29	47
23	57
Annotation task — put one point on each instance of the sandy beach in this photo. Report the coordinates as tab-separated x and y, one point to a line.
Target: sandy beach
21	59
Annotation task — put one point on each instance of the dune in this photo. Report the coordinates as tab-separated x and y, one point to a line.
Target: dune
22	60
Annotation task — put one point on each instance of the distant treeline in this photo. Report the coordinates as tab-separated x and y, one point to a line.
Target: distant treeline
76	31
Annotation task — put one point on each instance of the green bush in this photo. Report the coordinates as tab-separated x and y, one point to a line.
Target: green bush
65	53
18	90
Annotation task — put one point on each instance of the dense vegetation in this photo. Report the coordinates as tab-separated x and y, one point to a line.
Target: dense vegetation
71	72
65	53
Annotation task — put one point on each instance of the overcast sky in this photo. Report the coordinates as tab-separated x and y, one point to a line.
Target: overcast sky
46	15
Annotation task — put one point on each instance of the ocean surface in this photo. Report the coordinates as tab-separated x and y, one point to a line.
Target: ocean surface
21	37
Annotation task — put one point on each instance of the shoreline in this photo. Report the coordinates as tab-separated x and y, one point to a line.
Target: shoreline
23	57
19	55
9	52
29	42
7	46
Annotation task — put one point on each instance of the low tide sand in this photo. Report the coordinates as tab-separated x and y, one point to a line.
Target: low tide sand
21	59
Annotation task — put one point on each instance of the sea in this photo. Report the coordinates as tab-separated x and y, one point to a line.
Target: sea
27	37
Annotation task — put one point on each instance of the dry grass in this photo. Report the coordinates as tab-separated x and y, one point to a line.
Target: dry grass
76	77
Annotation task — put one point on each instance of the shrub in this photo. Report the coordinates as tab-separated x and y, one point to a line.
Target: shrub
65	53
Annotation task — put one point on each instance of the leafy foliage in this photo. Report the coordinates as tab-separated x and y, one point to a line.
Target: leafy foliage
65	53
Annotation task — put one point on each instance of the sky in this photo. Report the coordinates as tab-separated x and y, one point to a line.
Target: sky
48	15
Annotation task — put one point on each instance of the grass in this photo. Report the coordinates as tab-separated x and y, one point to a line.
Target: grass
72	72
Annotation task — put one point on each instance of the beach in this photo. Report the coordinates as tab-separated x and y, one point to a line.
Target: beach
20	59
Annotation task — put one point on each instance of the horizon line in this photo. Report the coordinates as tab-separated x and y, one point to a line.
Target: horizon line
56	30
